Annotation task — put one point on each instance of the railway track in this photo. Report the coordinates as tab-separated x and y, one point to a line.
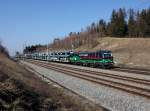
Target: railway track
132	70
132	79
132	85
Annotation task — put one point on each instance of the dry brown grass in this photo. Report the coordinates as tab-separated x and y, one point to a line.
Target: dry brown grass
26	91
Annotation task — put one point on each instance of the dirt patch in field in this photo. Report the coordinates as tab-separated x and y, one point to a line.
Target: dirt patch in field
23	90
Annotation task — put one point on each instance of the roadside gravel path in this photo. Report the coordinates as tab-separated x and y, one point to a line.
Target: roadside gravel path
112	99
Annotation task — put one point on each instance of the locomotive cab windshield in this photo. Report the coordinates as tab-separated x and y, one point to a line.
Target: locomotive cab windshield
107	55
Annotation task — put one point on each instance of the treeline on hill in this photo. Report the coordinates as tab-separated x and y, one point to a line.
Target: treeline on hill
122	24
33	48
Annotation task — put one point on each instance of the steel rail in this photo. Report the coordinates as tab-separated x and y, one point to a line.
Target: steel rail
128	88
132	79
137	71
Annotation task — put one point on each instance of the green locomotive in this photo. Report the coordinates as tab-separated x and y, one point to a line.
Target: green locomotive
102	58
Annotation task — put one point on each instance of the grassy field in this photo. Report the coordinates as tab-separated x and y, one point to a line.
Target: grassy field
21	90
132	52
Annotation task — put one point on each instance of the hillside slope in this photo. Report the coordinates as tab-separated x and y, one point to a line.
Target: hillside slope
21	90
132	52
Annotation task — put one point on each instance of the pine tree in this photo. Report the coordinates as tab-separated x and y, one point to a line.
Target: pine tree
111	27
142	23
102	28
93	28
117	26
132	24
121	23
147	32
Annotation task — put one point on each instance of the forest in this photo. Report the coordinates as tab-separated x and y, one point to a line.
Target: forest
122	24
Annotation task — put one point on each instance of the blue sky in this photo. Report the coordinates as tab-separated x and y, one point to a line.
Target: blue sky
40	21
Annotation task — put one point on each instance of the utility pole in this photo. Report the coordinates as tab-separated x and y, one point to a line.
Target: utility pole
47	53
72	46
23	53
47	49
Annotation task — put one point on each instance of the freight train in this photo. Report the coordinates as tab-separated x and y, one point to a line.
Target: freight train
102	58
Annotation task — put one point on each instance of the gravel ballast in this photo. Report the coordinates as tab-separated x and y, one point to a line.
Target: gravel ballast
113	99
